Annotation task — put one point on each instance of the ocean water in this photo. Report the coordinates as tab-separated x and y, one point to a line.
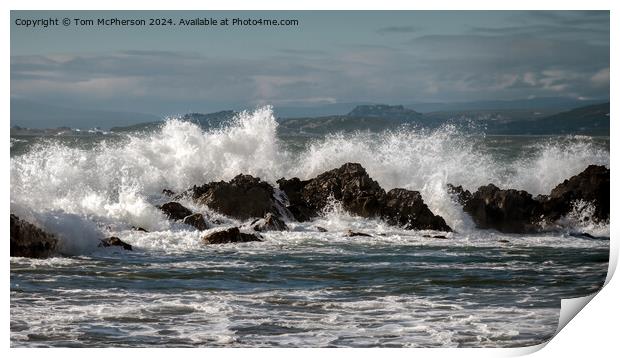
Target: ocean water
300	288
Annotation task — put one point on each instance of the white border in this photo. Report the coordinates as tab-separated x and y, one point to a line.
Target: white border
592	332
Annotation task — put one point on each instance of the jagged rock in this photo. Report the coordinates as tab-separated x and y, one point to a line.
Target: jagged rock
407	209
269	223
351	233
462	195
509	210
297	206
114	241
321	229
591	185
516	211
27	240
138	229
175	211
168	192
196	220
350	185
244	197
231	235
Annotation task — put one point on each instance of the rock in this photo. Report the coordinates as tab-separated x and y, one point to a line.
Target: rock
196	220
503	241
138	229
510	211
351	233
269	223
321	229
297	206
460	194
350	185
114	241
407	209
175	211
591	185
27	240
168	192
231	235
244	197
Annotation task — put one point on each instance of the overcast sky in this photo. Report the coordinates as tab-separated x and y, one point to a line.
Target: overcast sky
388	57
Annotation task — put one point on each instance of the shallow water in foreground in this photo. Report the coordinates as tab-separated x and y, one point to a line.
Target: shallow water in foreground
306	289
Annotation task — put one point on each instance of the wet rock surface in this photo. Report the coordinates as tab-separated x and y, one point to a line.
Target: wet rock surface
516	211
175	211
115	241
269	223
232	235
27	240
196	220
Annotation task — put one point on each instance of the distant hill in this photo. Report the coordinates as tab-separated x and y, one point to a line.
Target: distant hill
588	120
362	117
31	114
557	104
206	121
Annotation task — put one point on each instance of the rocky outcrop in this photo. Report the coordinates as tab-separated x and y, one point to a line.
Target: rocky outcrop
406	208
175	211
350	185
591	185
351	233
244	197
232	235
27	240
504	210
516	211
269	223
360	195
115	241
196	220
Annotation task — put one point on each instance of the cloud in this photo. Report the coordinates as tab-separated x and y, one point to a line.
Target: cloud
398	30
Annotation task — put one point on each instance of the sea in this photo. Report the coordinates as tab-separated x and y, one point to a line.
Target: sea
302	287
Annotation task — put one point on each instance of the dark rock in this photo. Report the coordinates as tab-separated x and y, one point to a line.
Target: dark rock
407	209
231	235
503	241
591	185
27	240
242	198
350	185
269	223
297	206
321	229
461	195
351	233
196	220
138	229
114	241
175	211
513	211
168	192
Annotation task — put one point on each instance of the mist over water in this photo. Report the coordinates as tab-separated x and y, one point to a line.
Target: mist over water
300	287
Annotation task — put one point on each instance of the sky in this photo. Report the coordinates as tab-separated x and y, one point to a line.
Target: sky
394	57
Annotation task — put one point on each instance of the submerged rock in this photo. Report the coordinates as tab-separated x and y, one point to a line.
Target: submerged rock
244	197
406	208
227	236
175	211
114	241
27	240
138	229
297	206
269	223
196	220
351	233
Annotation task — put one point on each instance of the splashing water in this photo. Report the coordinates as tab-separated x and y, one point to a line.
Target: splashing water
118	183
